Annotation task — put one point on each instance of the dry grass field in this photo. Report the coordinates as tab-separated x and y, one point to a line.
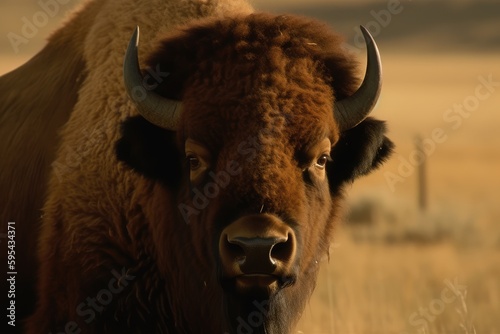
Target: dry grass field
394	268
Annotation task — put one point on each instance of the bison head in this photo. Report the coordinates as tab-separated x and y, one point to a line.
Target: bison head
253	129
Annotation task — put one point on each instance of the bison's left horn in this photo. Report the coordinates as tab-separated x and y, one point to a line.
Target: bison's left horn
155	108
351	111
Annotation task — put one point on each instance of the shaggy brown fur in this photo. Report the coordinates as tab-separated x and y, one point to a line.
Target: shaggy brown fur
116	255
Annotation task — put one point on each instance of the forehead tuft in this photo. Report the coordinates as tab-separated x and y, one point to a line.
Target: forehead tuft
276	71
254	37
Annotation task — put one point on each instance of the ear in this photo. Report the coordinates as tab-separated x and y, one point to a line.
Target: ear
149	150
358	151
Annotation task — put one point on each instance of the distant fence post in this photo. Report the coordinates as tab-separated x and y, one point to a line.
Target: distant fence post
422	175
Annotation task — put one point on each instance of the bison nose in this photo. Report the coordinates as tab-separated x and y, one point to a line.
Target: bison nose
258	255
257	244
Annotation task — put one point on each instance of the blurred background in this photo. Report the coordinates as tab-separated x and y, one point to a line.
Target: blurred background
418	250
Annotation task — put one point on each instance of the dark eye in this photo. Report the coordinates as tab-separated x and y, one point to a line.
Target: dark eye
194	162
322	161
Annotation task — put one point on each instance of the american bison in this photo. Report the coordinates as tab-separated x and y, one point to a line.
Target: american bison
193	178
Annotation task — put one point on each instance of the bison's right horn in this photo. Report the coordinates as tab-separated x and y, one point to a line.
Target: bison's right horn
155	108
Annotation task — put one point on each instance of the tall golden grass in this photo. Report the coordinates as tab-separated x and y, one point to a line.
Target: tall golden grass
380	288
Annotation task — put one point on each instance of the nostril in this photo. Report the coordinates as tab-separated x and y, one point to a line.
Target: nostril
234	251
282	251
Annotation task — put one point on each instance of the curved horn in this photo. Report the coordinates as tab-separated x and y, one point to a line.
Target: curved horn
155	108
351	111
